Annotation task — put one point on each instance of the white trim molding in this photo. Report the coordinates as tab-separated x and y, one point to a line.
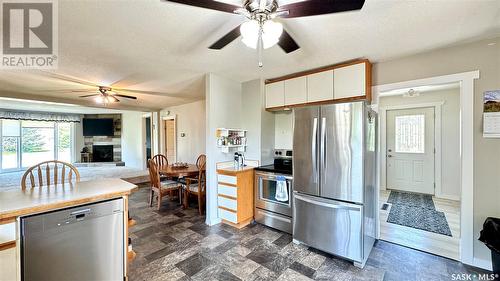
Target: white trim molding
466	80
437	143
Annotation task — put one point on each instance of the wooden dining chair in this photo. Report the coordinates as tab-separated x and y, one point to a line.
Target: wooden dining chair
50	172
161	188
160	160
197	186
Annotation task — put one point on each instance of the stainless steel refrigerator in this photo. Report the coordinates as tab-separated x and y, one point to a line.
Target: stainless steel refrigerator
334	172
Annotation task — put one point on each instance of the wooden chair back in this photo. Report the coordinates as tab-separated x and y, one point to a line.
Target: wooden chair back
201	163
154	174
48	173
160	160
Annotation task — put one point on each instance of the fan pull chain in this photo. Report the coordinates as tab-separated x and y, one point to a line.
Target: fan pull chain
260	47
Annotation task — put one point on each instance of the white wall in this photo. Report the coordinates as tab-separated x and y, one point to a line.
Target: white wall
480	56
190	120
283	134
223	109
132	140
450	134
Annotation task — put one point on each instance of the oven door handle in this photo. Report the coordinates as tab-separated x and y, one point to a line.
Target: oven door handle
270	177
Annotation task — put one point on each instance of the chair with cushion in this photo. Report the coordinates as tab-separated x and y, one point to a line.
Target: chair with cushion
197	186
50	173
161	188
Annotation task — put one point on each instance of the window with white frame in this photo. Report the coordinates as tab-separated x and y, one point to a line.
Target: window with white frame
26	143
410	133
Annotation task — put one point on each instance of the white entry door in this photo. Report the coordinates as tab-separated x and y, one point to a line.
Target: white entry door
410	150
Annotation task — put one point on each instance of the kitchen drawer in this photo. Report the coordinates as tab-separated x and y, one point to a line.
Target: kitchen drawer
7	232
228	216
228	190
228	203
8	265
227	179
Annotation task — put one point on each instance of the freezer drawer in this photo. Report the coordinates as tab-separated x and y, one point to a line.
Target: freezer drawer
328	225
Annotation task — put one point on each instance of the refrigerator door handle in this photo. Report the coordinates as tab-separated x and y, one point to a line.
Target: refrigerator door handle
314	150
323	146
327	205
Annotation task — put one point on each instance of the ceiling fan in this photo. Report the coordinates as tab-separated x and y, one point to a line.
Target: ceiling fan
107	95
261	30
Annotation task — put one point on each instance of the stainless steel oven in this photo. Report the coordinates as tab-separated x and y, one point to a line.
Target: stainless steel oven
269	210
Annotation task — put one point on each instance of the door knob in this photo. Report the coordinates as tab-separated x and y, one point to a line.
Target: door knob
390	150
389	156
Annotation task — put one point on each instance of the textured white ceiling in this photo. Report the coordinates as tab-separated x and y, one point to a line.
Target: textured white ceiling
159	46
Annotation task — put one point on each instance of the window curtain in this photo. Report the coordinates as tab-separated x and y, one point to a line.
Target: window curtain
39	116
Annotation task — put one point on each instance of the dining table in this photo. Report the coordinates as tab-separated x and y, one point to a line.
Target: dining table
188	171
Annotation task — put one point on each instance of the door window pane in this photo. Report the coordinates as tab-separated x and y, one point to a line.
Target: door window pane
10	152
37	142
64	142
410	134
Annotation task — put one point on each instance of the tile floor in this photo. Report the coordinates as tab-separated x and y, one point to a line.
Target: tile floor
176	244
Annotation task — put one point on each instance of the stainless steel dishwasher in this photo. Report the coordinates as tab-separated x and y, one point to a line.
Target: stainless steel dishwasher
80	243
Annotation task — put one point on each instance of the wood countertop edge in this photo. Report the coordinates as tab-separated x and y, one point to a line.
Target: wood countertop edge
10	215
7	245
223	171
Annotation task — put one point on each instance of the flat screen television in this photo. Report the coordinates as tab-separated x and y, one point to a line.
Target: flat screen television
98	127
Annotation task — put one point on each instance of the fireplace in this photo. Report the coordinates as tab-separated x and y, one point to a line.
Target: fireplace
102	153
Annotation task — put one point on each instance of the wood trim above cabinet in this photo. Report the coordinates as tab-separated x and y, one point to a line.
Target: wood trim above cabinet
344	100
321	69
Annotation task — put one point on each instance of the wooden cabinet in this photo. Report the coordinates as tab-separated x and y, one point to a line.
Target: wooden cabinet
345	82
235	196
8	264
296	91
275	94
320	86
8	252
349	81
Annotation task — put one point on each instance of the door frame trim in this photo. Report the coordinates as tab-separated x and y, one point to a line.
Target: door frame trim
466	80
437	143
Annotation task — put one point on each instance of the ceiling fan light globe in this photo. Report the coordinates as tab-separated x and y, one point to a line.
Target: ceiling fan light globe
99	99
250	33
271	33
250	42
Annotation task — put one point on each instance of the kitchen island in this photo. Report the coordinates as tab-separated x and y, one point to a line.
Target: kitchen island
19	203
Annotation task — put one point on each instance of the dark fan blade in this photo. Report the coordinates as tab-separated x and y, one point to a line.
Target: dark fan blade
226	39
320	7
88	96
208	4
287	43
116	100
125	96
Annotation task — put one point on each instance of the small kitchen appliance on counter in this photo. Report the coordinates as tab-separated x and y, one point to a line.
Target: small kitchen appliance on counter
274	192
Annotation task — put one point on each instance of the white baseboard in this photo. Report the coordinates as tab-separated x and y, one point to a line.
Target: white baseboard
484	264
213	221
448	197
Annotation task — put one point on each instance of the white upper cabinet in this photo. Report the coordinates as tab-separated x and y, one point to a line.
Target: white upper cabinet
349	81
320	86
275	94
296	90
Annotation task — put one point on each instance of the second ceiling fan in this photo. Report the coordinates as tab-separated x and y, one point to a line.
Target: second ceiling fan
261	30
